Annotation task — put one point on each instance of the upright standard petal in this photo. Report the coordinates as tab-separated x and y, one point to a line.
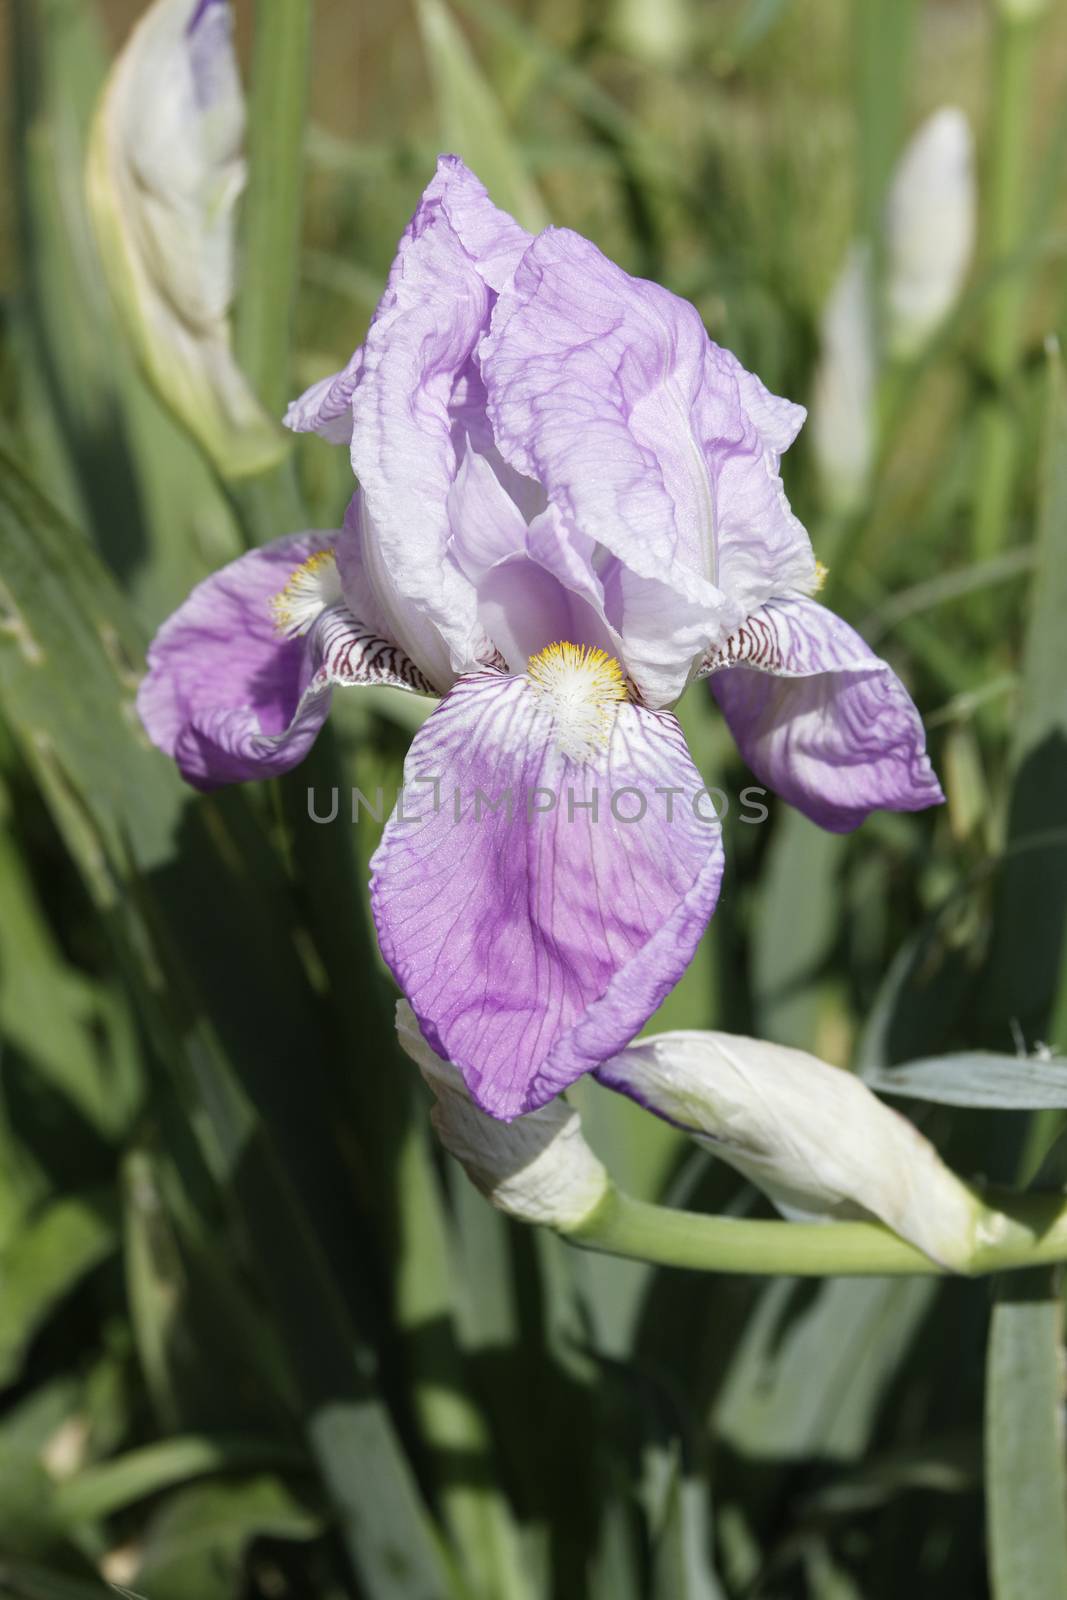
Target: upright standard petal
415	375
608	391
239	678
535	908
820	718
493	242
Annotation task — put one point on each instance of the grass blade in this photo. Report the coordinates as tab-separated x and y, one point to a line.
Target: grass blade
1026	1483
43	1262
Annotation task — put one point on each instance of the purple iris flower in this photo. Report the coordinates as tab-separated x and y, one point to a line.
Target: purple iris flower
569	508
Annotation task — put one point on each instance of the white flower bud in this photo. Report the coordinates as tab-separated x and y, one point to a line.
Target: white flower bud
537	1168
842	419
164	174
811	1136
930	230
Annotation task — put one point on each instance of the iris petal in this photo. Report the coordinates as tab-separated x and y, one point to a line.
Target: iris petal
652	443
229	696
820	718
534	938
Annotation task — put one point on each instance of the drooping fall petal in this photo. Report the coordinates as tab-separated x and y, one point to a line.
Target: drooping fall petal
532	934
230	695
820	718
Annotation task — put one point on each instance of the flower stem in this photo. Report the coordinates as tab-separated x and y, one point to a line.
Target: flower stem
1011	1232
1015	47
273	203
272	215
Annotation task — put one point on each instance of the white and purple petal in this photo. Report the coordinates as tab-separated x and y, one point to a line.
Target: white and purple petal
231	698
652	442
417	383
326	408
492	241
535	938
820	718
534	585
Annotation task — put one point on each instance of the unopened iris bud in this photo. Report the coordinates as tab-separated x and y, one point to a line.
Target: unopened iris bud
811	1136
164	174
930	230
537	1168
843	399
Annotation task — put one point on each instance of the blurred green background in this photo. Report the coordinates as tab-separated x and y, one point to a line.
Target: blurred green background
257	1337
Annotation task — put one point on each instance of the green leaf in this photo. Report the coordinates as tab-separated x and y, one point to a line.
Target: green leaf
274	201
102	1490
28	1526
977	1078
815	1365
49	1010
196	1543
1026	1482
43	1263
796	921
25	1580
471	119
681	1565
885	31
1028	961
946	1465
234	1013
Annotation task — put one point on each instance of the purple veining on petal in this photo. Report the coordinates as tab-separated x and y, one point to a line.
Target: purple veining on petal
820	718
546	449
532	948
231	698
607	390
326	408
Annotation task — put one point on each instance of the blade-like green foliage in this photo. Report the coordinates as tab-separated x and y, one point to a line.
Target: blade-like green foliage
1026	1483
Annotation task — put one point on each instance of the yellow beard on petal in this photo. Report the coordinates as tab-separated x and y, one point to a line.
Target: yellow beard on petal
581	687
314	585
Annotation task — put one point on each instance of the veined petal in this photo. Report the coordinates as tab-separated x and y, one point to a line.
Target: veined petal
492	241
326	408
231	697
492	238
374	594
820	718
416	363
777	420
607	390
535	938
534	586
539	1169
